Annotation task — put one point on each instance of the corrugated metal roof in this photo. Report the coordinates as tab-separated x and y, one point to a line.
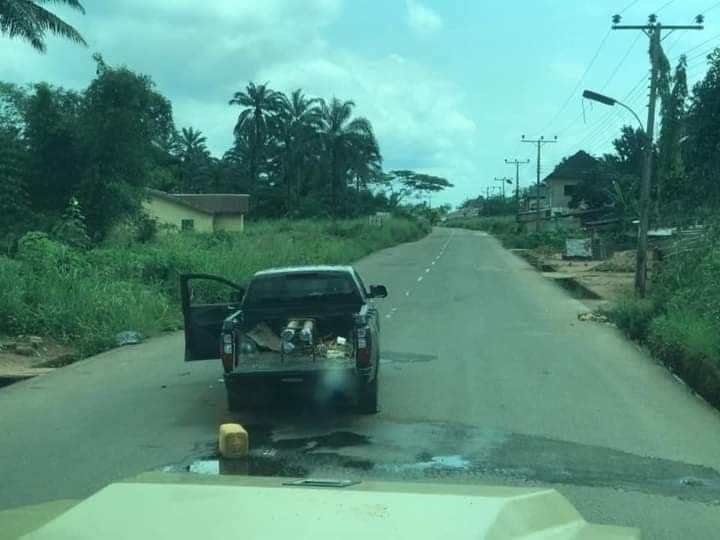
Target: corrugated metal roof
208	203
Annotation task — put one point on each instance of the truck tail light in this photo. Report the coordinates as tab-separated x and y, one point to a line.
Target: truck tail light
364	347
227	352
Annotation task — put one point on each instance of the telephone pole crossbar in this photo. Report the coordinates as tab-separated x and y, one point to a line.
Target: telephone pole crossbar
654	31
539	142
517	164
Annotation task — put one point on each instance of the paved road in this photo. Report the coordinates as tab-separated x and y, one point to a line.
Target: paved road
487	375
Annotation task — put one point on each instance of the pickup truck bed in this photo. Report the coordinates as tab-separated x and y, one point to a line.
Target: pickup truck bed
266	334
271	362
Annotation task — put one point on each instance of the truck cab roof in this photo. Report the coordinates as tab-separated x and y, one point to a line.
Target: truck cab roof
301	269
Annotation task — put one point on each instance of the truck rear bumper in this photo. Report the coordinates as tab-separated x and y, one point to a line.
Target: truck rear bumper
320	384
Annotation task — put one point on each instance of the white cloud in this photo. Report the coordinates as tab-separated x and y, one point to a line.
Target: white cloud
421	18
419	116
199	55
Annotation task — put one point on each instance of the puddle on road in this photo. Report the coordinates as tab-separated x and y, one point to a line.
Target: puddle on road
395	451
435	462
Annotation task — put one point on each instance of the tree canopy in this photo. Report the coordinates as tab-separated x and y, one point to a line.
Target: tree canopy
94	153
29	20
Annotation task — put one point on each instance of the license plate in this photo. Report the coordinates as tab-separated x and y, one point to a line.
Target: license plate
292	379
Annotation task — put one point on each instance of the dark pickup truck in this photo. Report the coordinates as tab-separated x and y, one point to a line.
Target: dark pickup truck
313	328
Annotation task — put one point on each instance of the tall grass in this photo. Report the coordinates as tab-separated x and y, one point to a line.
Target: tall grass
680	322
499	225
505	228
86	298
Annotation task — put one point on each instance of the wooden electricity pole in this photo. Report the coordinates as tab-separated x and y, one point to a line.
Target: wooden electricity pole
654	32
504	181
517	164
539	143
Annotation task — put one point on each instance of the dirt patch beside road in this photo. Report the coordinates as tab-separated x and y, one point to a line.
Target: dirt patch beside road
605	285
22	357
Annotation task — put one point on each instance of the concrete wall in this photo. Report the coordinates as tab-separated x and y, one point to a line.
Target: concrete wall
168	213
229	222
558	196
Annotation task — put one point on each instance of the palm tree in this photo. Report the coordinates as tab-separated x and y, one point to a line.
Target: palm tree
195	160
346	141
191	143
298	124
366	163
257	119
27	20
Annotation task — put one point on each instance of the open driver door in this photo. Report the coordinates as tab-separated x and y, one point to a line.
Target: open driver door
207	300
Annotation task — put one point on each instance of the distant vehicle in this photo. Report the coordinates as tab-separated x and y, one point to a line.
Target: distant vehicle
312	327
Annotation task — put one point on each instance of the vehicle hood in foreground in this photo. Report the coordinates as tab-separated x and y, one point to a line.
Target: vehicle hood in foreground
181	506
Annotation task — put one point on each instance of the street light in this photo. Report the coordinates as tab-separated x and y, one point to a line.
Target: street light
605	100
641	266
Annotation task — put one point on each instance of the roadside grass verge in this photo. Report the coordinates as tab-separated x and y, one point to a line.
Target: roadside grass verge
498	225
680	321
505	228
84	298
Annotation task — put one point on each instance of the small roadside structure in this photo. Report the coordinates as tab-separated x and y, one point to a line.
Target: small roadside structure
200	212
563	181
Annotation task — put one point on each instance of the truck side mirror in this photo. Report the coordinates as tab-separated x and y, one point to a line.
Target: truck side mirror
378	291
237	296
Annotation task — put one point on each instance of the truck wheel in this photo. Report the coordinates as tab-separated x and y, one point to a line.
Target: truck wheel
368	398
237	400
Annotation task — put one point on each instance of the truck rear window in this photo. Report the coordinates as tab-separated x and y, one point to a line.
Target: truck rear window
302	287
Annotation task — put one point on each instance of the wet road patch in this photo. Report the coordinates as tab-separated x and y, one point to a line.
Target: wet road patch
397	451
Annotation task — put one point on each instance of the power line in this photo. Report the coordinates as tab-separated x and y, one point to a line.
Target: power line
540	142
716	4
702	54
622	61
713	38
580	81
666	4
608	117
631	4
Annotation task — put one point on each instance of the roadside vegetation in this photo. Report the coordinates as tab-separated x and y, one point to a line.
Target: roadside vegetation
506	230
79	259
679	322
86	297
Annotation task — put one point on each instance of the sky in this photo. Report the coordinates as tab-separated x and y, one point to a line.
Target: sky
450	86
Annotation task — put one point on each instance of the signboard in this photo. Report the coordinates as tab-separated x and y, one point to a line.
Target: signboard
580	248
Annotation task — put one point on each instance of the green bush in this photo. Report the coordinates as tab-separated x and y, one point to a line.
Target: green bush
87	297
634	317
498	225
684	334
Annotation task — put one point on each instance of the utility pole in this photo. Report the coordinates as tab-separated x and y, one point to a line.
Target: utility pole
539	143
503	180
517	164
653	30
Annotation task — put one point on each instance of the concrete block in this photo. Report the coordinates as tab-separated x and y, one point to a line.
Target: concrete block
233	441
